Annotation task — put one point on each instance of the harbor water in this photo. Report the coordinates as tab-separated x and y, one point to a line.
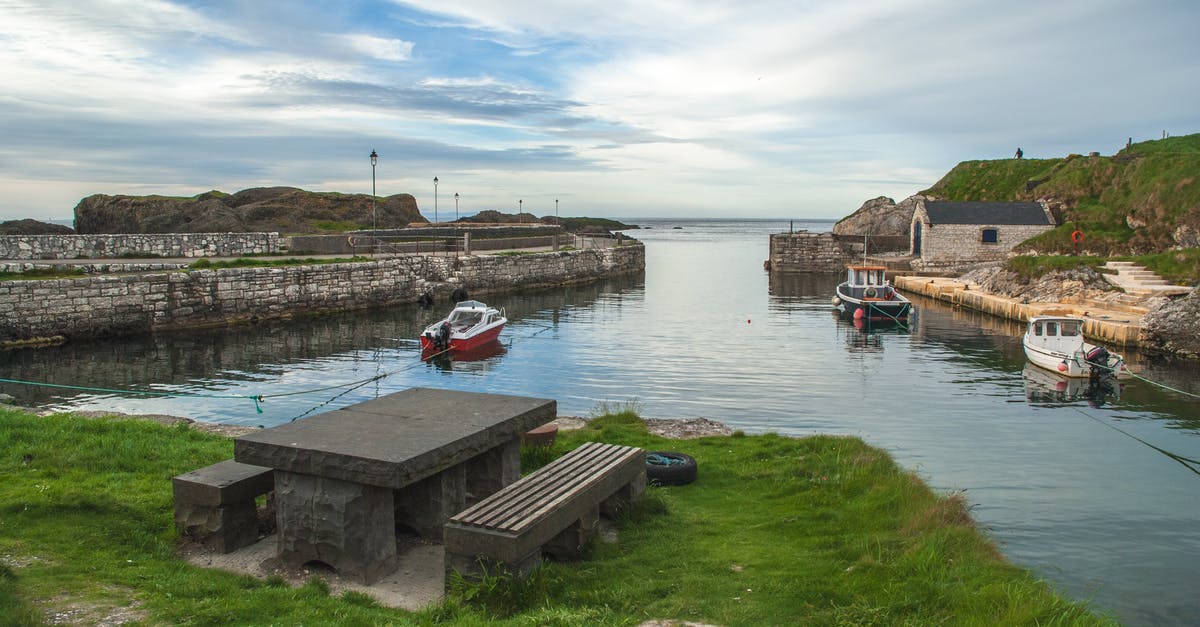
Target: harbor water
1096	491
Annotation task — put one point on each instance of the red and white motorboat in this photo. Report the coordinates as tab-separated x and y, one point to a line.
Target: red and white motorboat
470	325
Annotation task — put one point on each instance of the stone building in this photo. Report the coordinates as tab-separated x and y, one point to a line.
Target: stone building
950	234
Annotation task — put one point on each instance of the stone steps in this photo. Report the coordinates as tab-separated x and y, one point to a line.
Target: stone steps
1136	280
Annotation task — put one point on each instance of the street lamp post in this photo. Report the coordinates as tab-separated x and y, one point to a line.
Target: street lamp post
374	221
555	209
456	206
520	204
435	216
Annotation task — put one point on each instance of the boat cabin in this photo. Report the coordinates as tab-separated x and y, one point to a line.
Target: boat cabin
1057	334
866	276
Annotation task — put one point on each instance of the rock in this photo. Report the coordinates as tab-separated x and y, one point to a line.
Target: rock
1134	222
1186	236
34	227
1054	287
255	210
1174	328
880	216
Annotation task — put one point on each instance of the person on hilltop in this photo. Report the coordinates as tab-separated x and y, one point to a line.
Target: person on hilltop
1019	153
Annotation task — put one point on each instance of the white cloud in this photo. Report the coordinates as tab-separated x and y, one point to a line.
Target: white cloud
381	48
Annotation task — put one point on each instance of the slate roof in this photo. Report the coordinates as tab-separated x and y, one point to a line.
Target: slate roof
953	212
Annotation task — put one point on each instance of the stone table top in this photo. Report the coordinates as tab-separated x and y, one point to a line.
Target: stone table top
395	440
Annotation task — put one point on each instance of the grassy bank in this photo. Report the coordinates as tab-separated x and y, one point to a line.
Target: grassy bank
821	530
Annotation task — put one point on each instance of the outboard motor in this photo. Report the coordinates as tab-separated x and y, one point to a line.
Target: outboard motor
1097	358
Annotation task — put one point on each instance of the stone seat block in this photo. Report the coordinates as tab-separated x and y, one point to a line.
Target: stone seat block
215	505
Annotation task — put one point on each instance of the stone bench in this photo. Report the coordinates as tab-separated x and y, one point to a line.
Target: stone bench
553	510
215	505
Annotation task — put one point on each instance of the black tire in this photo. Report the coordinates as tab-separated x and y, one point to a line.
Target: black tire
679	469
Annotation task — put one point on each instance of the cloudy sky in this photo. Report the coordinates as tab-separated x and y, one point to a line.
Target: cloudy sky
621	108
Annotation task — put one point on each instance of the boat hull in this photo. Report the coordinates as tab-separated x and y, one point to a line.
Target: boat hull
876	309
463	343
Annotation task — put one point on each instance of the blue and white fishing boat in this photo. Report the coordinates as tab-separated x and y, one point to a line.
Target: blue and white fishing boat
867	294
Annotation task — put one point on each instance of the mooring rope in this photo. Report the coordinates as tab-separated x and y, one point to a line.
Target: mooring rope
257	398
1164	386
1187	462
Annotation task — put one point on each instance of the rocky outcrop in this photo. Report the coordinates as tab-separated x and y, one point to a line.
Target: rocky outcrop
491	216
1174	328
880	216
33	227
255	210
1058	286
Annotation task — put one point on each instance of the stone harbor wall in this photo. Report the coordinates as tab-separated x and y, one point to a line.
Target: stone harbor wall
804	251
129	304
194	245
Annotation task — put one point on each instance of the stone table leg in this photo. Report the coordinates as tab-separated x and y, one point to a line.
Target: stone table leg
349	526
426	505
495	468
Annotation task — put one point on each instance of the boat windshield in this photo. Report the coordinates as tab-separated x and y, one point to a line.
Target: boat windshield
465	318
1070	328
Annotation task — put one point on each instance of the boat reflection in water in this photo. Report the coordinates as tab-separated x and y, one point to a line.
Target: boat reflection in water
479	359
864	335
1045	388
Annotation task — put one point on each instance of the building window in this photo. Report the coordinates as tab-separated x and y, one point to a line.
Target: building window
990	236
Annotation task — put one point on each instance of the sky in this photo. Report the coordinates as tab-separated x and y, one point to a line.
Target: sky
659	108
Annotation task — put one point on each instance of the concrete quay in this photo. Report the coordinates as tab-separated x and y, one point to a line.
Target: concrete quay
1111	323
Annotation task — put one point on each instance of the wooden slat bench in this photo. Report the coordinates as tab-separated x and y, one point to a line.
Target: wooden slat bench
553	510
215	505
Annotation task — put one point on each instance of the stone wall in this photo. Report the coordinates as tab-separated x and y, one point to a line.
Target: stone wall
137	245
951	246
128	304
809	252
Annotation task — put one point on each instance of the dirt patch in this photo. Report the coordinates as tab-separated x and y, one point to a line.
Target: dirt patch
416	583
686	428
673	428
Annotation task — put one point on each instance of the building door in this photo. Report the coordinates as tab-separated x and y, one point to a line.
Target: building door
916	238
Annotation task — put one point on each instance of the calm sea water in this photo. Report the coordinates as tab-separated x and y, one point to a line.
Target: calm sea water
1081	489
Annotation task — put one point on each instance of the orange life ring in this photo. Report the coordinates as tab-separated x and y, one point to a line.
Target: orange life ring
1077	236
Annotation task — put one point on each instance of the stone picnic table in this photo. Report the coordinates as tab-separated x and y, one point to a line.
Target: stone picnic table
346	480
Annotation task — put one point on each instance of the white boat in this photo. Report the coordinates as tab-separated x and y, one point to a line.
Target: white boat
1056	343
471	324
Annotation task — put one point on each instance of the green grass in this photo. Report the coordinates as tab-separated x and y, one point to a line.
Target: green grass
820	530
1180	267
1034	267
39	274
246	262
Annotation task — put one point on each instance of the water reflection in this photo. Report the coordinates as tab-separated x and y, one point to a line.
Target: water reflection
1047	389
478	360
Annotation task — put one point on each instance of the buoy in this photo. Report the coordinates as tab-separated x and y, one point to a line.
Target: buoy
858	314
1062	366
747	321
836	301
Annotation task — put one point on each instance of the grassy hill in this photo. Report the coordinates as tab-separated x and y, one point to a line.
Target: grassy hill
1143	200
